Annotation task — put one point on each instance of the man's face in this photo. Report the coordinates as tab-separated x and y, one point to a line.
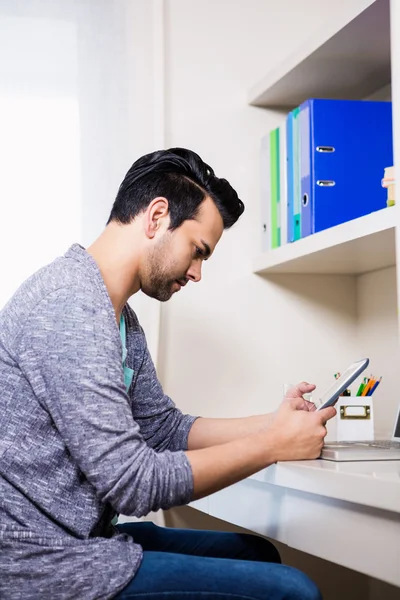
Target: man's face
177	257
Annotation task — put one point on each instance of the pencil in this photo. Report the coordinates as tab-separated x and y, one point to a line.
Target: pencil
360	389
371	391
369	385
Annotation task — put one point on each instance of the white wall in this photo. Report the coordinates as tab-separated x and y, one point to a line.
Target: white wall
378	339
229	343
39	142
76	109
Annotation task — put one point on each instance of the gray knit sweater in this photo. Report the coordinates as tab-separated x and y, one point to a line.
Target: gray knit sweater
75	448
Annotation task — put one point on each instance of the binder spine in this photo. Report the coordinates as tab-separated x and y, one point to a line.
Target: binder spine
289	177
307	201
296	176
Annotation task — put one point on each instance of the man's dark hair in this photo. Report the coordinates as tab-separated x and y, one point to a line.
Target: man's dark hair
183	179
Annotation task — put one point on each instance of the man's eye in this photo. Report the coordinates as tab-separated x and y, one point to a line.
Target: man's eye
199	251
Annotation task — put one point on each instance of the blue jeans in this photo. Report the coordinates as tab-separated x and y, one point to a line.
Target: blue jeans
192	565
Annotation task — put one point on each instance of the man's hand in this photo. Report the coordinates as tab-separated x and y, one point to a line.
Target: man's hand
298	433
297	391
212	432
294	434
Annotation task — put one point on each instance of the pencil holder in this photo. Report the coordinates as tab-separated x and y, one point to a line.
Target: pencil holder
354	418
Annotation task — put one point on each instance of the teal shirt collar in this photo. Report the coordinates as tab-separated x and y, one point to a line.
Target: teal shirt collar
128	373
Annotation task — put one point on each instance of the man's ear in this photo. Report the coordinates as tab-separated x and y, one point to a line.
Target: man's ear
156	218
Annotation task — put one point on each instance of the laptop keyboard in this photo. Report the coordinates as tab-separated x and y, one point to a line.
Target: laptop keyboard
385	444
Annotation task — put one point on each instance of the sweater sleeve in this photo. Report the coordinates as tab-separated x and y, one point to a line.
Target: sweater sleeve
161	423
70	352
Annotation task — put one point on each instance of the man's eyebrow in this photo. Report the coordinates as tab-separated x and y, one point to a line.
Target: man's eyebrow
207	249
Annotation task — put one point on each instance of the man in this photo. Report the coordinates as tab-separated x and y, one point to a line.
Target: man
86	431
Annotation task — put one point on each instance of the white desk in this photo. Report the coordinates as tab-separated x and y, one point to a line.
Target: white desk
348	513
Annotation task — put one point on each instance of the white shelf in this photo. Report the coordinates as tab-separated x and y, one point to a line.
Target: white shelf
365	244
348	58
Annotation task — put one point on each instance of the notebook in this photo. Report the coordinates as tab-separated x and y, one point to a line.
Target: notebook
365	450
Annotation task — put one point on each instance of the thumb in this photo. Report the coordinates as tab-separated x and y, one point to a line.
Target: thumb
327	413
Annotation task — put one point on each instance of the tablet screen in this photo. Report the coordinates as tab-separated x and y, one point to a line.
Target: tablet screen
329	397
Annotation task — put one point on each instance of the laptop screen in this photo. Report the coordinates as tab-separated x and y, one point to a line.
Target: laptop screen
397	427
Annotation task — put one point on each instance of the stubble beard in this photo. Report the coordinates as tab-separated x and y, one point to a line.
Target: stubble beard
157	284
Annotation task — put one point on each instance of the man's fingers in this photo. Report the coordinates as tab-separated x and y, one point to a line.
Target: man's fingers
310	406
297	403
305	387
327	413
300	389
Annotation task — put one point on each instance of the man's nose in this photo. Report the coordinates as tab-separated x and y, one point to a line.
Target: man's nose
194	272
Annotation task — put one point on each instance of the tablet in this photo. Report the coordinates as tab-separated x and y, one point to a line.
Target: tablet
329	398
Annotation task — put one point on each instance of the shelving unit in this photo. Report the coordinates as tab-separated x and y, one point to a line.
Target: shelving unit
352	248
348	58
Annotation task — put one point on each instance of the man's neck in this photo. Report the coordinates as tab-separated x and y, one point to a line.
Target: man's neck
118	265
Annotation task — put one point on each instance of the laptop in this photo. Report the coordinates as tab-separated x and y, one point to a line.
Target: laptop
365	450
